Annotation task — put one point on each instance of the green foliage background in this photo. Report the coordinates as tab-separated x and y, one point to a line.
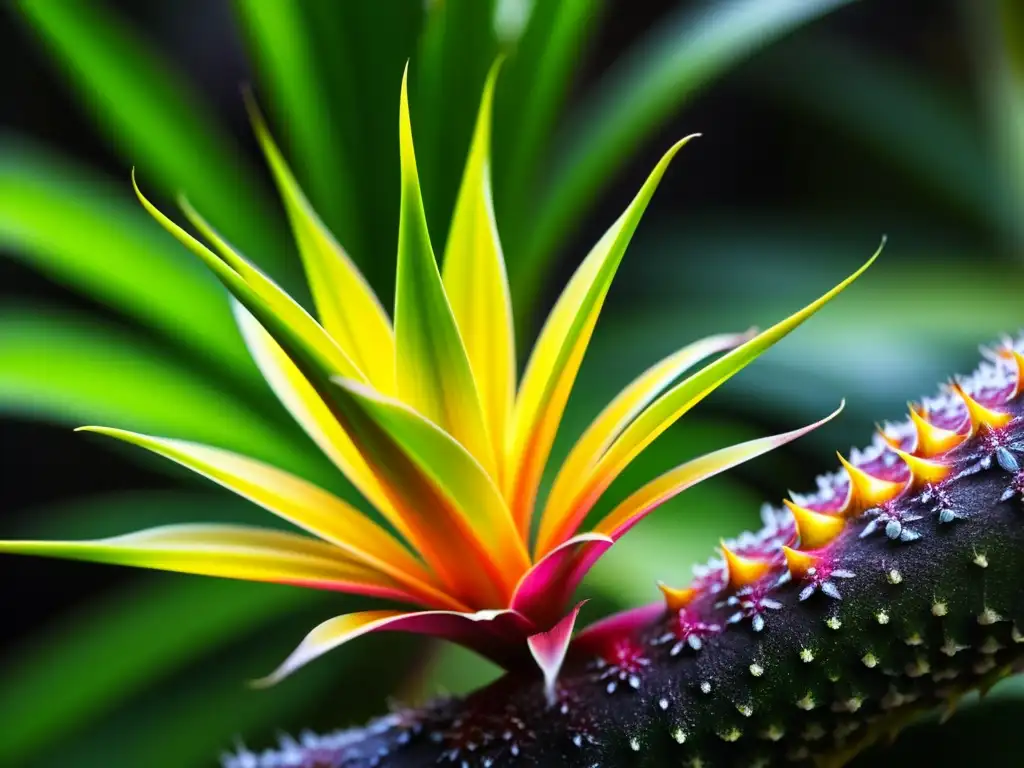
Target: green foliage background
149	670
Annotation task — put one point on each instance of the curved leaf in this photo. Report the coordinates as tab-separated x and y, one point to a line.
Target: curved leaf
71	369
476	284
671	405
644	87
151	116
238	552
558	523
308	408
355	536
558	353
462	506
346	305
434	374
80	230
107	651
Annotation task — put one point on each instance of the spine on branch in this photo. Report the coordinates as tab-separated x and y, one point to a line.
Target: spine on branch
893	589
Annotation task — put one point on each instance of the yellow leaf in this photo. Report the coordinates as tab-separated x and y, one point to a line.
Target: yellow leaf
434	374
348	308
668	408
558	354
477	285
560	520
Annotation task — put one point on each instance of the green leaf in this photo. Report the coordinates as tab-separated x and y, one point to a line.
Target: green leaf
362	48
82	231
109	650
556	357
75	370
293	78
476	283
210	710
893	349
150	116
998	37
906	117
645	87
457	48
433	369
532	89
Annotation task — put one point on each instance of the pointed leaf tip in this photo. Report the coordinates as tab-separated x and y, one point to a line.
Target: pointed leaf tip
346	304
476	283
434	375
549	649
675	481
552	368
561	515
496	635
681	398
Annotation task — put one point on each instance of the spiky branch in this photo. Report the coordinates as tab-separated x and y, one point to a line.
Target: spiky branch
892	590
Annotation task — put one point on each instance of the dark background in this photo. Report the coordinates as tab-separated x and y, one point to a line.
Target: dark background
765	159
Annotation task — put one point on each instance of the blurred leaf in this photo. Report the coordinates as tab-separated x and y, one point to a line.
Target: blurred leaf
75	370
896	335
115	646
531	91
153	119
637	94
998	37
191	721
293	76
80	230
991	728
457	47
361	53
903	115
117	513
448	670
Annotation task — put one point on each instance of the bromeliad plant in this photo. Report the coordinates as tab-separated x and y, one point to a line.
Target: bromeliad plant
422	414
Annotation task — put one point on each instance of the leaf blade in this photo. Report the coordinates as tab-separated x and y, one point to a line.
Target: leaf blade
225	551
434	374
149	114
345	302
476	284
635	97
557	522
300	503
670	406
308	408
108	249
95	670
675	481
457	474
558	353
